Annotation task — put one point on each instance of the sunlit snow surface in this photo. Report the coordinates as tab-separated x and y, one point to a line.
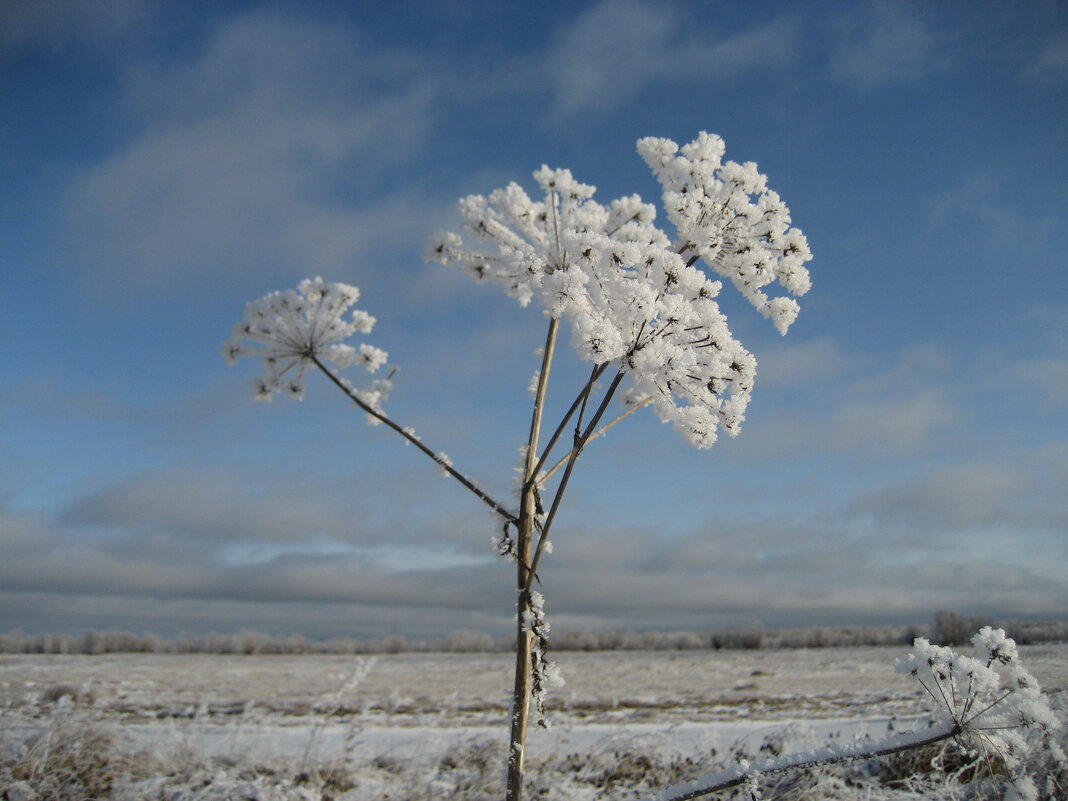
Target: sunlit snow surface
385	718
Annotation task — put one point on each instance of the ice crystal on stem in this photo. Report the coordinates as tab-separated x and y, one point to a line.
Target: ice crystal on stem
544	674
291	330
631	295
444	462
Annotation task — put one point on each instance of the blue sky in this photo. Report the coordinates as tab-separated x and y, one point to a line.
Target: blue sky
161	163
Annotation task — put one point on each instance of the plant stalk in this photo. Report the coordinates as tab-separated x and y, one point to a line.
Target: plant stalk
517	742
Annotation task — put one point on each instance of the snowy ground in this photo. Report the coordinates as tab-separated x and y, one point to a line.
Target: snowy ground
383	717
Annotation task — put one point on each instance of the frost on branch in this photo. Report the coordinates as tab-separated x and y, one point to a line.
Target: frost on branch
631	295
290	330
444	462
544	673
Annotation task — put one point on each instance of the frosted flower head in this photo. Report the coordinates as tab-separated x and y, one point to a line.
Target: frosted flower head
293	329
530	239
727	217
630	294
992	702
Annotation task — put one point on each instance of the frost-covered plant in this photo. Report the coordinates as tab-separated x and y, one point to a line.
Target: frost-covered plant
332	702
726	216
641	306
989	701
988	705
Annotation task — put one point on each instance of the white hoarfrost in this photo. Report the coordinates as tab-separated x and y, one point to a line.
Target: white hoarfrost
632	294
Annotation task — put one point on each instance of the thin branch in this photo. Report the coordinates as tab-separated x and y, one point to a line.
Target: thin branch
829	756
560	255
942	692
616	229
382	418
987	708
530	503
582	409
986	757
928	689
600	431
1006	727
970	696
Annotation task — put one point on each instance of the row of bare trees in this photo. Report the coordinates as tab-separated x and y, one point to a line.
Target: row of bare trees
947	628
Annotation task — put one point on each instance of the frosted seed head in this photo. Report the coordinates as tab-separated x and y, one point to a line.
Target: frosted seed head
292	330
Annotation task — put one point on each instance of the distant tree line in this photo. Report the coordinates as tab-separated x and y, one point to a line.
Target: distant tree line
947	628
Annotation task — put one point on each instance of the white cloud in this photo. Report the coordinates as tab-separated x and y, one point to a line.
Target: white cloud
800	363
883	43
899	426
902	408
1050	64
214	506
1047	365
982	494
58	24
1049	374
982	202
616	49
248	157
906	419
241	510
969	536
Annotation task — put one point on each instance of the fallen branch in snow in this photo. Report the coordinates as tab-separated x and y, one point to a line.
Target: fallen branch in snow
988	704
828	755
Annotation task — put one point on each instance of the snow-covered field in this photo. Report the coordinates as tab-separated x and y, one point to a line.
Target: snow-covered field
432	725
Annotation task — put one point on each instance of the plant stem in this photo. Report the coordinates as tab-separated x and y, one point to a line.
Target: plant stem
525	530
382	418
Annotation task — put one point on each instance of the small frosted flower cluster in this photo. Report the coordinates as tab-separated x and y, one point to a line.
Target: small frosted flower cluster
726	216
544	674
993	704
291	330
633	296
